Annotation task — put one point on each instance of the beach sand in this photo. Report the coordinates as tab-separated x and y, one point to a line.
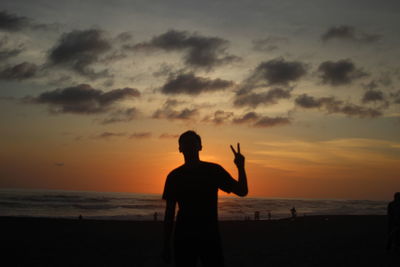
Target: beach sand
306	241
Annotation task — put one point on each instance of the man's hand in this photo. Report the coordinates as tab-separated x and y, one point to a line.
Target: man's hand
239	158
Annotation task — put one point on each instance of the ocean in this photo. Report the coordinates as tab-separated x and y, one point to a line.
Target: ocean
130	206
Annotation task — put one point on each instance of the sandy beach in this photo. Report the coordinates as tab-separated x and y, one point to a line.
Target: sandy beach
306	241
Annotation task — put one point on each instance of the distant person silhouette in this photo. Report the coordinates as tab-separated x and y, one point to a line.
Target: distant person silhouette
393	212
293	212
194	186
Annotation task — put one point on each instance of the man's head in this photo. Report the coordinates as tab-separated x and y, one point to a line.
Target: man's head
189	143
397	196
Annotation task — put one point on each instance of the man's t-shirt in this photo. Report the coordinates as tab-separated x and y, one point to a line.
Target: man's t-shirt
195	189
394	214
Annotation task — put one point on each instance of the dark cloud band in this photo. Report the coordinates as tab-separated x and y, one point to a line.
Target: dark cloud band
349	33
83	99
341	72
275	72
256	120
200	51
20	71
12	22
332	105
193	85
169	111
78	50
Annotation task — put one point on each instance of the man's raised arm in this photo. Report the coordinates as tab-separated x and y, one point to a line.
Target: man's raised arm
240	188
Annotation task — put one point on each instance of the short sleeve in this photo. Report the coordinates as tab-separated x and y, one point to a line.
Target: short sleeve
225	180
169	188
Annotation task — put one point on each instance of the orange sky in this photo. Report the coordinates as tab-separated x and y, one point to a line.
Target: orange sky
342	168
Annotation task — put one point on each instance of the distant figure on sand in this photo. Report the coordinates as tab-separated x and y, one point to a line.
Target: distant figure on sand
293	212
269	215
194	186
257	216
155	216
393	212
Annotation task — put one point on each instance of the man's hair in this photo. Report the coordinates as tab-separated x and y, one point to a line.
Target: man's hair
397	196
189	134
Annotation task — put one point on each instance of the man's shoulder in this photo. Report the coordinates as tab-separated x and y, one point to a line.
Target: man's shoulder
176	171
204	166
211	165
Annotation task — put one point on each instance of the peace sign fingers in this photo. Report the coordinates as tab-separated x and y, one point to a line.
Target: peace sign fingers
239	158
238	149
233	150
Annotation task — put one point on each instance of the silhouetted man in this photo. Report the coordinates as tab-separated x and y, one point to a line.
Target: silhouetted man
194	186
393	212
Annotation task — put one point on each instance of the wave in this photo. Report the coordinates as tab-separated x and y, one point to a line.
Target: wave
139	206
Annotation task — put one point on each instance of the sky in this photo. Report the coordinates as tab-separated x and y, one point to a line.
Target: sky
94	94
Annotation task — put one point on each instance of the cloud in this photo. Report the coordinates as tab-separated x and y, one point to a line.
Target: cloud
140	135
169	111
341	72
358	111
266	121
385	80
19	72
108	135
171	103
7	53
12	23
396	97
163	70
168	136
193	85
200	51
59	164
306	101
83	99
279	71
248	117
219	117
79	49
348	33
371	85
124	37
373	96
267	98
9	49
184	114
121	115
332	105
257	120
274	72
269	44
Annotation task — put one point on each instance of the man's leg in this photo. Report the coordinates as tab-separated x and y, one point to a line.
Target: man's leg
185	252
211	252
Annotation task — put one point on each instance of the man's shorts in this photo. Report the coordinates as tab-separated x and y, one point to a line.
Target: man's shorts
191	247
